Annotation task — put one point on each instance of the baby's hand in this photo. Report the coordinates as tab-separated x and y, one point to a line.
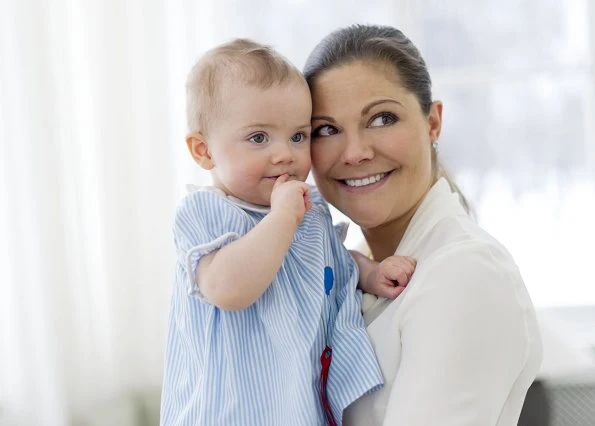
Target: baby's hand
291	196
390	277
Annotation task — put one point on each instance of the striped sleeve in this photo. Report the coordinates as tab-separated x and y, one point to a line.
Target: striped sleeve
316	197
340	227
204	222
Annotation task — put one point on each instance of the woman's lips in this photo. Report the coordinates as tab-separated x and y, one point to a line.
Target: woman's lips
362	184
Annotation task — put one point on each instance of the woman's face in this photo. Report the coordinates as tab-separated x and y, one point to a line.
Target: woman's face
371	143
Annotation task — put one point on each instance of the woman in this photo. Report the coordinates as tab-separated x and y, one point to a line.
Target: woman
460	346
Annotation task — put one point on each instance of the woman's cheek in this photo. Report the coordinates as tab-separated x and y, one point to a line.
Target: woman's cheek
323	156
317	155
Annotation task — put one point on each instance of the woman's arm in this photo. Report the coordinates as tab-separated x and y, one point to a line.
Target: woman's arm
466	336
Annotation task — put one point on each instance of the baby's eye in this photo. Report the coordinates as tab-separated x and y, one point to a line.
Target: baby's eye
298	137
258	138
325	130
383	119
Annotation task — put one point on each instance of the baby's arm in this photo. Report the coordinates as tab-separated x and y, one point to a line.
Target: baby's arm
387	278
236	275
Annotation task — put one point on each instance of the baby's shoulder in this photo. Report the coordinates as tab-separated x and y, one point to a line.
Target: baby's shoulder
316	197
208	207
205	198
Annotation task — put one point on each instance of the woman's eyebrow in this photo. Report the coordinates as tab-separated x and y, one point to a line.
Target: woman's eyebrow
371	105
323	117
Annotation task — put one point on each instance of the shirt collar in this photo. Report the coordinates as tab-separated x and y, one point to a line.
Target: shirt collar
440	202
245	205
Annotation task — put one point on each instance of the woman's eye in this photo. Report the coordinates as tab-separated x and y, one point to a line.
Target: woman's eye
383	119
258	138
325	131
298	137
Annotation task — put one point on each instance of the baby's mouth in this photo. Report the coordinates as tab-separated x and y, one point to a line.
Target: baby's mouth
274	178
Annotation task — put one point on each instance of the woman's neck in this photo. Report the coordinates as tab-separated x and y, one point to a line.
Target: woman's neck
383	240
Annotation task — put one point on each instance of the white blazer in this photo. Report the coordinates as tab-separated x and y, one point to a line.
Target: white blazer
460	346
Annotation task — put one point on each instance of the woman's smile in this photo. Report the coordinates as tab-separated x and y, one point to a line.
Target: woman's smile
366	182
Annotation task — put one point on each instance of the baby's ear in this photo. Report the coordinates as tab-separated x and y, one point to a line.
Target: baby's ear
199	149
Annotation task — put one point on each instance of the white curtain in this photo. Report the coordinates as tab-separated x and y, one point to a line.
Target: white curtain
90	150
93	162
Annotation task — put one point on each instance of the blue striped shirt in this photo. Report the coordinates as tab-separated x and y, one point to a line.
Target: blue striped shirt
261	365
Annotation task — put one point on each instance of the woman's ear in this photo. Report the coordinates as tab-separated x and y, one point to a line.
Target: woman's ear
199	149
435	120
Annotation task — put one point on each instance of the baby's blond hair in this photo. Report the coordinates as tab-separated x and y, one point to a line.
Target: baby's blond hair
240	60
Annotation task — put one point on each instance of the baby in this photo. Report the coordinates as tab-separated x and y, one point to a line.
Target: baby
265	324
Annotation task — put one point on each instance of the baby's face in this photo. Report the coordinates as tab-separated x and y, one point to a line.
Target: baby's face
258	135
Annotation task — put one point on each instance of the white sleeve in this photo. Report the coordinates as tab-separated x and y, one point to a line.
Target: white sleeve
465	340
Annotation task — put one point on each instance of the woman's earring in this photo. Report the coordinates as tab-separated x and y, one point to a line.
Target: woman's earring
435	146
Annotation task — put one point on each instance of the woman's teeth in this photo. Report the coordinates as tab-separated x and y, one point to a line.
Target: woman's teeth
365	181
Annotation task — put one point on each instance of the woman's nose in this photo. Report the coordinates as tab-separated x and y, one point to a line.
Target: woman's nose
357	149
